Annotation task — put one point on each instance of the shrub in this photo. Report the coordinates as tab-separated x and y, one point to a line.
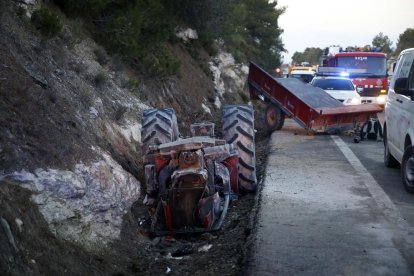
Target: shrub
211	47
133	85
20	11
117	63
120	111
161	65
206	68
193	50
101	56
47	22
86	96
100	79
245	98
76	33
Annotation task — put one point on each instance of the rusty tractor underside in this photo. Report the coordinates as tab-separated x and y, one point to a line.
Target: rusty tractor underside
190	182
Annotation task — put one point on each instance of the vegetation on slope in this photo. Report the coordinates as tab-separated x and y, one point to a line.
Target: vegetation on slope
137	30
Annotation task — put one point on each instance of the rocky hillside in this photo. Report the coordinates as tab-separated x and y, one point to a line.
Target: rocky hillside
70	127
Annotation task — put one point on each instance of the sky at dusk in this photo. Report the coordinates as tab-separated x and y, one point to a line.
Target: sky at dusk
321	23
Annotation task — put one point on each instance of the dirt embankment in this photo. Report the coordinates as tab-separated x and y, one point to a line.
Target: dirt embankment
39	252
64	102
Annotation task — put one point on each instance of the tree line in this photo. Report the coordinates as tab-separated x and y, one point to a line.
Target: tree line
137	30
381	41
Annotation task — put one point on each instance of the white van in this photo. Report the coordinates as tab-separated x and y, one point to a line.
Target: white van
399	119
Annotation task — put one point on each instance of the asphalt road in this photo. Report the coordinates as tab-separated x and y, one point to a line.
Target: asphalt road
330	207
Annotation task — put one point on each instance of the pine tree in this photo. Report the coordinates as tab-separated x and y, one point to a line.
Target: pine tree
405	40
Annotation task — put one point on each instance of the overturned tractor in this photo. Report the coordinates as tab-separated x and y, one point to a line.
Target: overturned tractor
190	181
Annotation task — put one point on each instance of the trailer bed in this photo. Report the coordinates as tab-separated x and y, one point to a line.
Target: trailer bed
313	96
311	107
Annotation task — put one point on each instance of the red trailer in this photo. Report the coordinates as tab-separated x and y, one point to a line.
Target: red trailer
311	107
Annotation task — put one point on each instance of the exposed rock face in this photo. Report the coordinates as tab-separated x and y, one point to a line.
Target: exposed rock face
85	205
69	130
228	75
186	34
28	5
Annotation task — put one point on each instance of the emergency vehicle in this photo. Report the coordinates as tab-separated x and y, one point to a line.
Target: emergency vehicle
304	72
339	87
366	67
303	75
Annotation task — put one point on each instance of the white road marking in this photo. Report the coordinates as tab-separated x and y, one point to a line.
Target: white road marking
391	212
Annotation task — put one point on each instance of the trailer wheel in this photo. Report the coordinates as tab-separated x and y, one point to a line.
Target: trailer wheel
238	129
158	126
275	117
407	169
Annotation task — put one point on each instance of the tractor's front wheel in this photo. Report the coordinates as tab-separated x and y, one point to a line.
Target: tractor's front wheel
158	126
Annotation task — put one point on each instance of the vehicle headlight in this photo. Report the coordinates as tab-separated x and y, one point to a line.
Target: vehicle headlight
381	99
354	101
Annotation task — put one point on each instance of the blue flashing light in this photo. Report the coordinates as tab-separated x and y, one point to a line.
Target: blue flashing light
344	74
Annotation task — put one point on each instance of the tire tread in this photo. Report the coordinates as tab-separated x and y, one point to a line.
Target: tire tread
238	129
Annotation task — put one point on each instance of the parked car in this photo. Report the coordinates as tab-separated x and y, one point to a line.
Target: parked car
340	88
399	119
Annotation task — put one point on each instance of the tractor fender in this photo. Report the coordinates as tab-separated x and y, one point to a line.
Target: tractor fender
223	173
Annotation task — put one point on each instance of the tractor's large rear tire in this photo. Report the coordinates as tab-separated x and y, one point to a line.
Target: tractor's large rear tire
238	128
275	117
158	126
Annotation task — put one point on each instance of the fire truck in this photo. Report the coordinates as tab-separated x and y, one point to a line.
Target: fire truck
365	66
